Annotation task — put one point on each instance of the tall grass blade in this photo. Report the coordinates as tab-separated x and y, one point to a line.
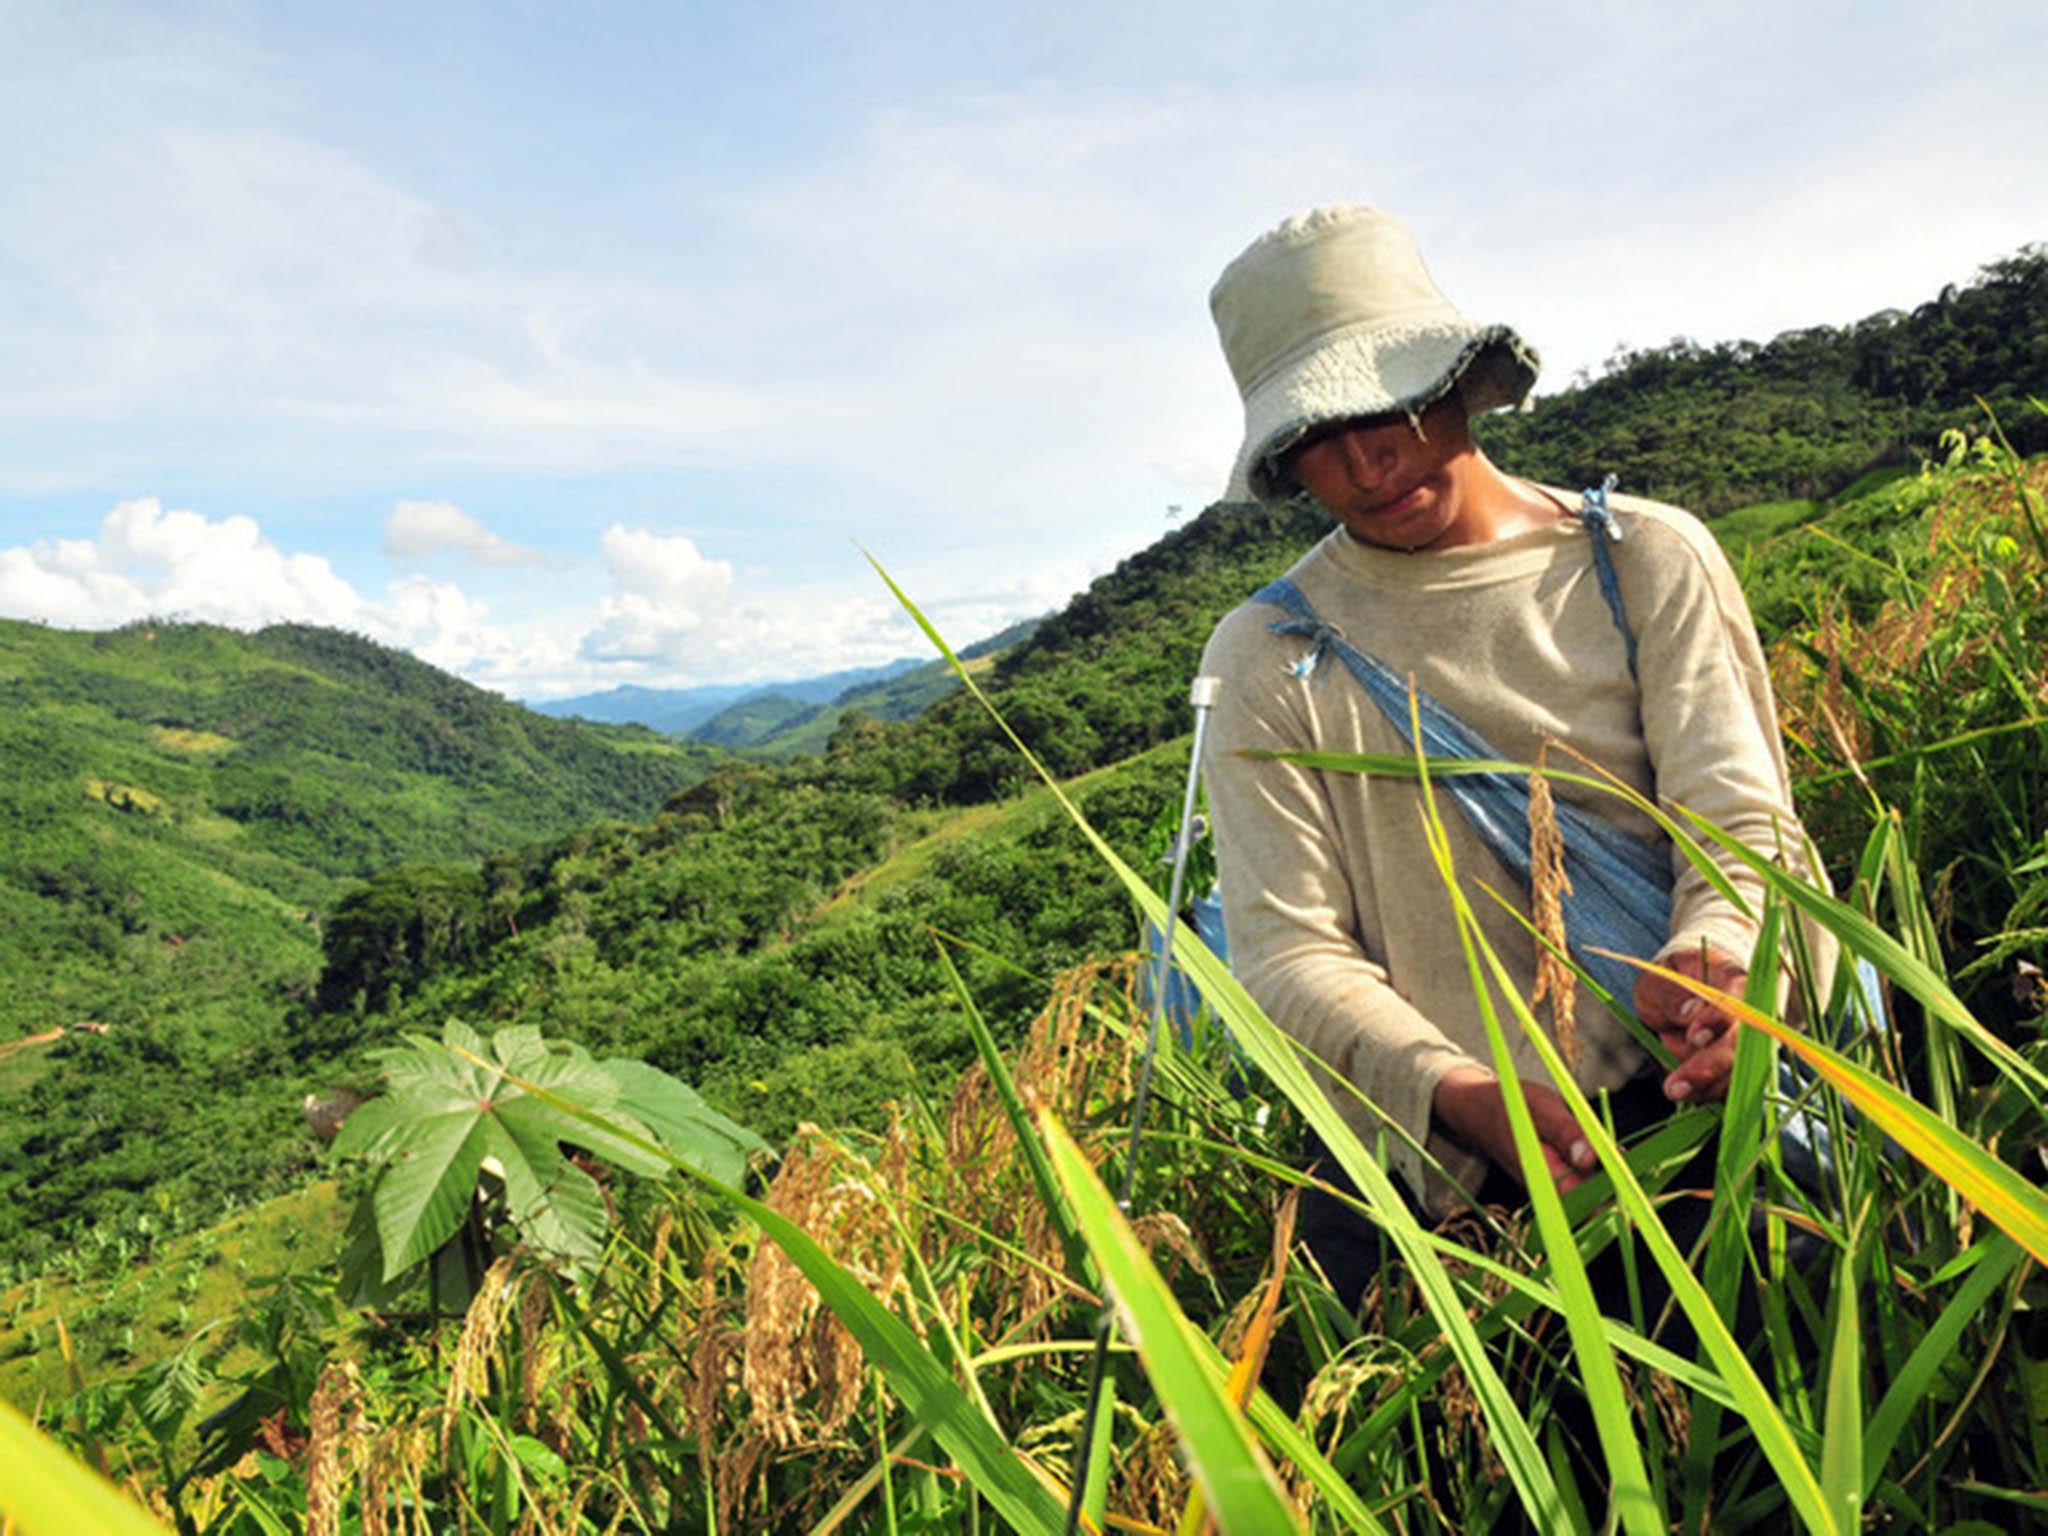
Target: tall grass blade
2001	1194
1864	937
47	1493
1842	1444
1276	1056
1996	1256
1599	1376
1078	1258
1237	1483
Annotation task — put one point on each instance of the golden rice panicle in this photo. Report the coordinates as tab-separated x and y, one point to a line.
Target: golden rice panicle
1163	1229
335	1424
1150	1483
469	1372
537	1349
1549	885
802	1369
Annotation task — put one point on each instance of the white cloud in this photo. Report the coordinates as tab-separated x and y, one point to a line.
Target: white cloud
665	593
418	530
671	615
149	561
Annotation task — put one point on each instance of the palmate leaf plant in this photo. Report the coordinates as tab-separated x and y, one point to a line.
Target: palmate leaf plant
465	1155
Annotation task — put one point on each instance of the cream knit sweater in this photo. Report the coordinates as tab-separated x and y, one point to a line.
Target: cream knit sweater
1339	923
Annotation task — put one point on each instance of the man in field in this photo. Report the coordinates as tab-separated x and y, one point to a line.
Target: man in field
1532	616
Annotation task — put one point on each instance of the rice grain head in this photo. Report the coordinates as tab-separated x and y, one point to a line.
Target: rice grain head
1549	885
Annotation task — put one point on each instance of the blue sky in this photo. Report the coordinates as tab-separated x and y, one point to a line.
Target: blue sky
576	345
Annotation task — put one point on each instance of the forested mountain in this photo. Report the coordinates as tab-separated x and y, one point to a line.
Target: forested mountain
769	933
1715	427
180	808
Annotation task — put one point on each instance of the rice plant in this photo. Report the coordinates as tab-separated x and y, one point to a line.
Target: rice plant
888	1331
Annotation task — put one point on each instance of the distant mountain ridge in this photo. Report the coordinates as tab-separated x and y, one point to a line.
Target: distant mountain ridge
680	711
783	719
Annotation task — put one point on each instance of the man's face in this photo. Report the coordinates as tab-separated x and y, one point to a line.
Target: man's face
1388	484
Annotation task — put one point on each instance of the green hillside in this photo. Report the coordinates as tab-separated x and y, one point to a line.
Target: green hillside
771	933
182	806
1803	415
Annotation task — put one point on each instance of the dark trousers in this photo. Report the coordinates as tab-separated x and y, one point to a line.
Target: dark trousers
1353	1251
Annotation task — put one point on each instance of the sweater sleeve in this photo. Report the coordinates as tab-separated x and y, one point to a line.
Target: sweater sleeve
1292	916
1710	728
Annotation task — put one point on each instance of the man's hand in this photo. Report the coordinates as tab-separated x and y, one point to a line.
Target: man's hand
1701	1035
1469	1105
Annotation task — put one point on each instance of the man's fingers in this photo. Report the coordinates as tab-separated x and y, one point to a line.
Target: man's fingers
1560	1130
1704	1074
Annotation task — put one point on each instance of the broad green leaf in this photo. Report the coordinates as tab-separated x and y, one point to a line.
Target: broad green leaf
45	1492
539	1458
684	1123
1237	1484
425	1192
555	1204
456	1101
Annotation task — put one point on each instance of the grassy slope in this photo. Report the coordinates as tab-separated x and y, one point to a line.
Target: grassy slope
122	1316
180	806
926	851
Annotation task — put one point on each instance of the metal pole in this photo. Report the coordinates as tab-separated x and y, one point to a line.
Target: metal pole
1203	696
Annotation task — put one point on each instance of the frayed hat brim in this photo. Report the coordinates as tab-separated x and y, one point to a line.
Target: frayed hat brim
1374	372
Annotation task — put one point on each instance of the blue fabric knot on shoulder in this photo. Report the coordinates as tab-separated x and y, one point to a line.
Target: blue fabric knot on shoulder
1599	521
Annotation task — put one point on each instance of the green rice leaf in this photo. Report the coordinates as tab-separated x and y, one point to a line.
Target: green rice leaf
1864	937
1841	1450
2002	1195
1998	1254
1237	1484
1275	1055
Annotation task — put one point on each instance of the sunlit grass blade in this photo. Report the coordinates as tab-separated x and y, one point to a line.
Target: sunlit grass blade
1842	1447
1393	766
1599	1376
1276	1056
1020	1122
47	1493
1774	1436
1237	1483
2001	1194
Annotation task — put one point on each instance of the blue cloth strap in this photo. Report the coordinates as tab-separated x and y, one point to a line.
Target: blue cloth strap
1620	884
1604	530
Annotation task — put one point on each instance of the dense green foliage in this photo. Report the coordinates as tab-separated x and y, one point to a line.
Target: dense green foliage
181	809
770	936
1716	427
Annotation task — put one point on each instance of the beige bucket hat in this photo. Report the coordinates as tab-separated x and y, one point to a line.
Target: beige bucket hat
1331	315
